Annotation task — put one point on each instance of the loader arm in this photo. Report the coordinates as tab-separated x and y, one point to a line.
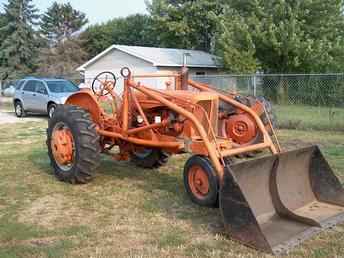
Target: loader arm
267	141
212	150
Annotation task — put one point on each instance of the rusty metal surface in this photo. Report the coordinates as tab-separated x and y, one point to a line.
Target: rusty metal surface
326	185
275	203
240	106
286	246
86	100
239	219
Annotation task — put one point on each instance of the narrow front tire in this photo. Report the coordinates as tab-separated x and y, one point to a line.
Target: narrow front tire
201	181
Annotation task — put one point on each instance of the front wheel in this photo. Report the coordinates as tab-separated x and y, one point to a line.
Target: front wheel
19	109
73	144
201	181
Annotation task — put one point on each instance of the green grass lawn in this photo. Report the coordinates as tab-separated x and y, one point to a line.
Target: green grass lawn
125	211
310	117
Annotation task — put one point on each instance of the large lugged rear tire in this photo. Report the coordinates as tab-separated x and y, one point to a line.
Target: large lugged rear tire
149	158
73	144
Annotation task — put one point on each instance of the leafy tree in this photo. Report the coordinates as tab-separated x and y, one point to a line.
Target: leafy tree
61	21
132	30
97	38
283	36
185	23
236	47
18	49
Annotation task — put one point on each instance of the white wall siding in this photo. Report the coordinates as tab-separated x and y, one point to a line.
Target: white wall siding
115	60
118	59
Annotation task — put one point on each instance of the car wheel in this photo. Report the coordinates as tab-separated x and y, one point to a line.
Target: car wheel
19	109
51	110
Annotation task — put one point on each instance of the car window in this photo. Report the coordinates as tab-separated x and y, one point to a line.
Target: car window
61	86
30	86
19	84
40	88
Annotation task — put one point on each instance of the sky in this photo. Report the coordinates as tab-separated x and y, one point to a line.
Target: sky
97	10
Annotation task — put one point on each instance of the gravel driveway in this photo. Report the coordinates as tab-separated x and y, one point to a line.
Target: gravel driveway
10	118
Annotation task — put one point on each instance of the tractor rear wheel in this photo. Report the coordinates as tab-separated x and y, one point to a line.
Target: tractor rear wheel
73	144
149	158
201	181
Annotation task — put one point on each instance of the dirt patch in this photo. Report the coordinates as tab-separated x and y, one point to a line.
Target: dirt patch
54	211
295	144
2	210
41	241
35	242
24	142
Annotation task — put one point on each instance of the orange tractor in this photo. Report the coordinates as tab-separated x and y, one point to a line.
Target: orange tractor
271	203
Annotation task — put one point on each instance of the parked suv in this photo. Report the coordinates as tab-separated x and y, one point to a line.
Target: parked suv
41	96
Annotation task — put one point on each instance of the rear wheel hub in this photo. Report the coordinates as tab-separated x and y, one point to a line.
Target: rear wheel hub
62	145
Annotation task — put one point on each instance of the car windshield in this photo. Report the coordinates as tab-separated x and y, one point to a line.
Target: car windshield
62	86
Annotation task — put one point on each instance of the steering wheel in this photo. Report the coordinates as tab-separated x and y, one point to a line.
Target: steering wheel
104	84
125	72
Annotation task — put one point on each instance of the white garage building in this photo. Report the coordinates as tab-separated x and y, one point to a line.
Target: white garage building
143	60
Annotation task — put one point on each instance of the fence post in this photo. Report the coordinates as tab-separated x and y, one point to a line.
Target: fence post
254	85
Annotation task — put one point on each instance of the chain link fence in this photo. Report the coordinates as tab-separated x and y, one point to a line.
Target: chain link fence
300	101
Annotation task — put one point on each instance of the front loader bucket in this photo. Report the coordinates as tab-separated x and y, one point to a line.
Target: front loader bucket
276	202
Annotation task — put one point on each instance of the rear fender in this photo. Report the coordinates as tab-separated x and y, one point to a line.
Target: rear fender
88	102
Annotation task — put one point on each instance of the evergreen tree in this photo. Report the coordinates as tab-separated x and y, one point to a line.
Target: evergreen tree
63	52
60	22
19	47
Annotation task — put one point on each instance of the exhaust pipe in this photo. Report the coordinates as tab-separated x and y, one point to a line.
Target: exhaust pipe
275	203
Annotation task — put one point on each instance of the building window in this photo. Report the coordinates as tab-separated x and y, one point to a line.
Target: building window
200	73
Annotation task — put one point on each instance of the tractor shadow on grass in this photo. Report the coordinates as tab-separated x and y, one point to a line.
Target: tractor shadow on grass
163	189
164	192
